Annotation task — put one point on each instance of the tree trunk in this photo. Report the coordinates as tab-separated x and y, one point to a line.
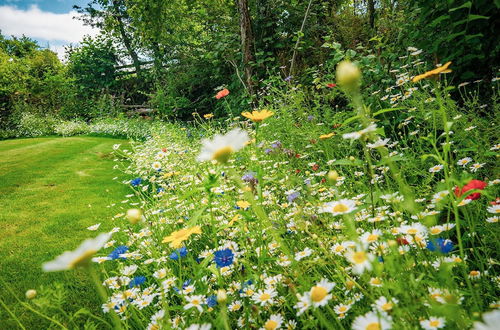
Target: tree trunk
126	39
247	42
371	12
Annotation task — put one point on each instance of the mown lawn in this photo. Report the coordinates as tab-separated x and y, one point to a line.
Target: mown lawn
51	190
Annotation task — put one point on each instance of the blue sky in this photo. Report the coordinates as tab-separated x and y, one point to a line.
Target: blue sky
53	6
50	22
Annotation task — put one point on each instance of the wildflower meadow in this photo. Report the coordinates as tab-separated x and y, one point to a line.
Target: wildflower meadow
351	200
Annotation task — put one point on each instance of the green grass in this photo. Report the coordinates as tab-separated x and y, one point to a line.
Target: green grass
51	190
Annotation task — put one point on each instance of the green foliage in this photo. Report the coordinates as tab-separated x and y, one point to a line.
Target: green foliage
461	31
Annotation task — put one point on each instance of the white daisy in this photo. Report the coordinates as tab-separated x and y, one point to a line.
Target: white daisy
273	323
343	206
371	321
78	257
195	301
320	293
436	168
433	323
360	260
220	147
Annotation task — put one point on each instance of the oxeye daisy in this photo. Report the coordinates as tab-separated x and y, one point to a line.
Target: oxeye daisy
264	297
341	308
220	147
433	323
235	306
302	254
343	206
156	166
79	257
303	304
195	301
495	209
464	161
384	305
273	323
320	293
360	260
371	321
436	168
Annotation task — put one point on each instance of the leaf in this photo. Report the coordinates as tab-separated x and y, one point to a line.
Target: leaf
387	110
467	5
439	20
350	120
472	36
473	17
454	35
356	162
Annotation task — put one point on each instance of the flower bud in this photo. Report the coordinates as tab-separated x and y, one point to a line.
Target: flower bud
30	294
221	295
134	215
348	75
333	176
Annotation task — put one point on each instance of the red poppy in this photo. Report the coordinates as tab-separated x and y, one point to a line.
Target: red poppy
222	93
297	155
297	171
323	180
336	125
315	167
164	149
496	201
402	241
331	85
473	184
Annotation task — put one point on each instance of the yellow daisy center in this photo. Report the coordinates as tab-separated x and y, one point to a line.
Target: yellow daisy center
340	208
412	231
372	237
434	323
359	257
386	306
265	296
271	325
222	155
318	293
82	259
373	326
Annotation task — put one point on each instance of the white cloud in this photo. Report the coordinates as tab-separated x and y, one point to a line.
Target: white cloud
38	24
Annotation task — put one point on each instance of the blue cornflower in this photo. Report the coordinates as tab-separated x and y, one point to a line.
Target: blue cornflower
160	189
310	117
116	252
137	281
440	245
223	258
182	252
293	196
268	151
211	301
135	182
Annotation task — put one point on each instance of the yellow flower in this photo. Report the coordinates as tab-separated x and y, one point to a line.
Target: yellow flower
326	136
178	237
243	204
257	116
441	69
208	115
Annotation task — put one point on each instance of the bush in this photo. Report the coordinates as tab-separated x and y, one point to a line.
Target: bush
70	128
31	125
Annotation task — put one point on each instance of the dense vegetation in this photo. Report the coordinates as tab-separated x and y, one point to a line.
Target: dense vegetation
308	164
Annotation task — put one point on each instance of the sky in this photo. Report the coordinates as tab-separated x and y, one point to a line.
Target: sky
50	22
